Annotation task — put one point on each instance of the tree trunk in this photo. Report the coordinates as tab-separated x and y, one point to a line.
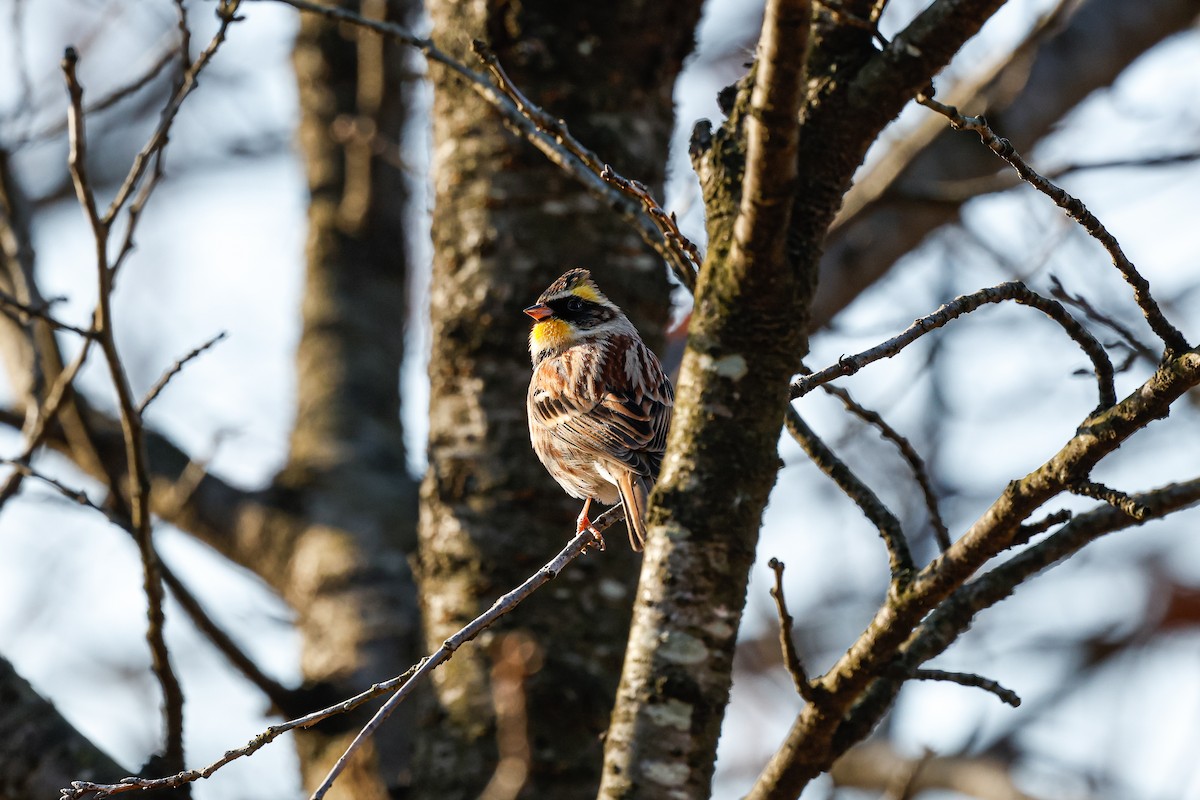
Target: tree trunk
506	224
41	753
346	572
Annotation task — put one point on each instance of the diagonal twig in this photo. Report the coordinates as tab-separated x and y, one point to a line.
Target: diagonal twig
554	140
1076	210
900	560
1137	347
23	312
1115	498
576	546
175	369
907	451
502	606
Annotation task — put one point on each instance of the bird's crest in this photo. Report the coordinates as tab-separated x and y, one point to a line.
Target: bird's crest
577	282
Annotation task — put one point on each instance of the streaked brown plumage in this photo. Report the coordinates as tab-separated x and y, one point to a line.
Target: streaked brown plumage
599	403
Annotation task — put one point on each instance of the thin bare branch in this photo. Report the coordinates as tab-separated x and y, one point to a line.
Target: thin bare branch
969	679
175	369
74	495
917	464
791	657
104	103
526	119
227	14
276	692
1116	499
505	604
77	144
680	254
23	312
44	418
1015	291
1028	530
401	684
1076	210
688	258
1136	346
135	454
900	559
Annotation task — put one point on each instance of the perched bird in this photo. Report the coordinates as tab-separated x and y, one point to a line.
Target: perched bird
599	403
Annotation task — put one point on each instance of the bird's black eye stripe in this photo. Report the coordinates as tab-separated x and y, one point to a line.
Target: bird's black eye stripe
571	307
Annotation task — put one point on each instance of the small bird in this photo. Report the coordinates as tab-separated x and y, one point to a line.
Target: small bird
599	403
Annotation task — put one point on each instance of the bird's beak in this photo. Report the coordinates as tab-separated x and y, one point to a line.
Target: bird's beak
539	312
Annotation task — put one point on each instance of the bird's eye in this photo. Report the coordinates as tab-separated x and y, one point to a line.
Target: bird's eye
574	304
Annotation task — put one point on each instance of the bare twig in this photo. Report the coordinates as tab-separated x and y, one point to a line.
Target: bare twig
106	102
227	14
1116	499
899	557
44	418
526	120
687	253
23	312
402	684
135	454
174	370
680	254
505	604
275	691
74	495
1076	210
1137	347
791	657
969	679
907	451
1029	530
1015	291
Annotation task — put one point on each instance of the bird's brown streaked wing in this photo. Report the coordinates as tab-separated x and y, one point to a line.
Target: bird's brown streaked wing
611	424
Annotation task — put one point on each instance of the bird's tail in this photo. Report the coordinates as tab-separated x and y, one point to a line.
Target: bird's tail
634	495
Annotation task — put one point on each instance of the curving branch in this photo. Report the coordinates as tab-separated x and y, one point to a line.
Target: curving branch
900	560
1064	61
858	691
909	453
1076	210
1015	291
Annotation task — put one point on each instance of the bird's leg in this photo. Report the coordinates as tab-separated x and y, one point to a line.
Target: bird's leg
583	524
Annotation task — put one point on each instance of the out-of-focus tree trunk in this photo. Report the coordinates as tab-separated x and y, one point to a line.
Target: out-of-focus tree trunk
506	223
346	570
41	752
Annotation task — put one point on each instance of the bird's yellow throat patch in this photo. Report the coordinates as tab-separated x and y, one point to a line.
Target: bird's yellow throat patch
550	333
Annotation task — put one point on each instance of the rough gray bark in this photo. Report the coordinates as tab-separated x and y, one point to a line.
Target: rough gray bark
747	333
745	342
506	223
